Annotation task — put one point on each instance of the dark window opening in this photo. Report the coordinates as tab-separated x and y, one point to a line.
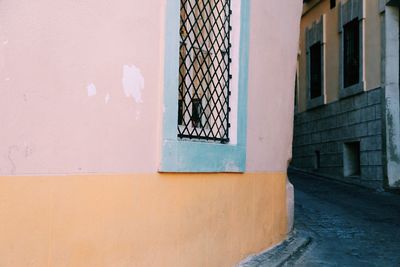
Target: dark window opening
333	4
180	112
204	70
315	70
317	163
197	110
351	159
351	53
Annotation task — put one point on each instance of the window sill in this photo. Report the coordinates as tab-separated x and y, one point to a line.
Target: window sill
352	90
316	102
198	156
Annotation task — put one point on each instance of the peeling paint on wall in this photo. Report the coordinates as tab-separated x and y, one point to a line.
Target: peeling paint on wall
91	90
133	82
14	156
10	157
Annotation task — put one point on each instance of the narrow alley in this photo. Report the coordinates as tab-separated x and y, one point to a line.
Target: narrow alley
339	225
348	225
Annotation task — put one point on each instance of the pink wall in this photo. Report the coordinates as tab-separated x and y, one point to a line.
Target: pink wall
273	53
51	51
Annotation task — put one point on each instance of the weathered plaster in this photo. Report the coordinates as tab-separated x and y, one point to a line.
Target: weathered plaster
390	62
64	46
393	147
10	156
91	89
87	43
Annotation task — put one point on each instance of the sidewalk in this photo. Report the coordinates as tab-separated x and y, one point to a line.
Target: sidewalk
289	250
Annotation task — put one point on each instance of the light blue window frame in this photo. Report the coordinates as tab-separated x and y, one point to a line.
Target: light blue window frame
201	156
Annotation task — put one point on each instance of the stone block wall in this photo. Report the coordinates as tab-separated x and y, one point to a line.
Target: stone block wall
327	128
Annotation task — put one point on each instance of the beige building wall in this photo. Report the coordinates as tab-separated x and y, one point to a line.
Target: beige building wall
312	11
373	46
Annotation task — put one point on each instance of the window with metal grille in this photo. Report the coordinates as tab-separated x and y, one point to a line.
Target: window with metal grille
204	73
351	53
315	70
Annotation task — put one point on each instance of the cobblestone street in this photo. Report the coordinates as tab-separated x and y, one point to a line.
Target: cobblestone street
348	225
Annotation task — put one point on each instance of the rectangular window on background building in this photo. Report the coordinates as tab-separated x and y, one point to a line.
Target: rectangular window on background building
333	4
315	70
315	52
351	53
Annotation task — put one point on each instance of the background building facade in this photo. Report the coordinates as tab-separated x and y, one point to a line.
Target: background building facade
347	121
92	170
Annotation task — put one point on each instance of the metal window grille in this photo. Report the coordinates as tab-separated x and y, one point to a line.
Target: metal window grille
351	53
204	72
315	70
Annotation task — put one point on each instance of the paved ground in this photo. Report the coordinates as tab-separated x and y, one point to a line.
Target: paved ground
338	225
349	225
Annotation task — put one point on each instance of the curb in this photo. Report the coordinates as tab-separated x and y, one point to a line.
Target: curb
290	249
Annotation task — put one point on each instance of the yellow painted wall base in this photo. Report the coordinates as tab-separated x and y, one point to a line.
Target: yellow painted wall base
140	219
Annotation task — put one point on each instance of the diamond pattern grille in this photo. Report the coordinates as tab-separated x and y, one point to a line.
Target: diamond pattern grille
204	73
